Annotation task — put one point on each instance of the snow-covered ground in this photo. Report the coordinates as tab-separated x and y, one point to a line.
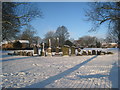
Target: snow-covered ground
60	72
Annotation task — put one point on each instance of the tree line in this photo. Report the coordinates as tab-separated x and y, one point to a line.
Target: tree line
62	33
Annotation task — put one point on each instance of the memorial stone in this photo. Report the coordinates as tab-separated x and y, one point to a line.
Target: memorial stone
89	52
21	53
49	48
43	51
73	50
57	47
109	52
103	53
84	52
29	54
15	53
35	49
79	52
93	52
65	50
18	53
98	52
25	53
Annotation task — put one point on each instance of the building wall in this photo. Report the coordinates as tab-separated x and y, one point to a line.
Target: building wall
10	45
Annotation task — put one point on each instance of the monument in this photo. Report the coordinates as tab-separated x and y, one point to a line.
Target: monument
21	53
35	49
29	54
43	50
98	52
93	52
57	47
79	52
49	48
89	52
65	50
24	53
84	52
73	51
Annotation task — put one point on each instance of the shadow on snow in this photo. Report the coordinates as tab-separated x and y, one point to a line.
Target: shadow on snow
4	56
113	77
92	76
43	83
12	59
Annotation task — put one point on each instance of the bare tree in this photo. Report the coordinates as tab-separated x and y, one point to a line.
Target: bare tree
63	34
50	35
86	41
15	15
28	34
37	40
105	12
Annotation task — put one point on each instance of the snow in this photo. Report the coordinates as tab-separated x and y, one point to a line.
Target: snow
23	41
60	72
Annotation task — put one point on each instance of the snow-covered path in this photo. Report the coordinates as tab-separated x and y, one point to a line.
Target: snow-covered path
60	72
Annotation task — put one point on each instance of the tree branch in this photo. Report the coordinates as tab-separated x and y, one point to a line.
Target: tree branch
109	8
14	24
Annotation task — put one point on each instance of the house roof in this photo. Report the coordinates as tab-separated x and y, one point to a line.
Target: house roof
23	41
113	43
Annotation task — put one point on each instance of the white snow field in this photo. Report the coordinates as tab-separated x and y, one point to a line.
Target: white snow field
60	72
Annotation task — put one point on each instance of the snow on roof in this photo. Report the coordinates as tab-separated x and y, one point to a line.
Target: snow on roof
109	43
4	42
104	43
66	45
23	41
112	43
